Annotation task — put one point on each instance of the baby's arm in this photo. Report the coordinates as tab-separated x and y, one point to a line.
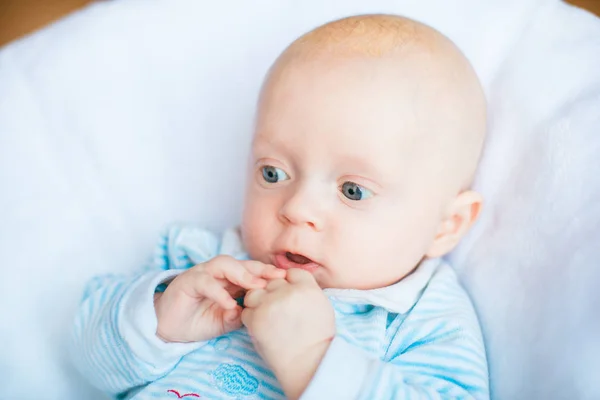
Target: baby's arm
447	362
114	340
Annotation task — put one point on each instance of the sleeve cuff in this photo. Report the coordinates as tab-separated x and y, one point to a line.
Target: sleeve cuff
137	323
342	373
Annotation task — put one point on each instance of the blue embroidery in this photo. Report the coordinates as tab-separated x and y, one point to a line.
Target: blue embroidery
234	380
221	343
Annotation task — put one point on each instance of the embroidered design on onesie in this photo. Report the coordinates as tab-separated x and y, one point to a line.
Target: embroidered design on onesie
234	380
181	396
220	343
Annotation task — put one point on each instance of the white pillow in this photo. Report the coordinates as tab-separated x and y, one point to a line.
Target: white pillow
533	263
121	118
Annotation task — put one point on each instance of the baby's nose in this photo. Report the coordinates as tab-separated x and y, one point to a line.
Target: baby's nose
303	210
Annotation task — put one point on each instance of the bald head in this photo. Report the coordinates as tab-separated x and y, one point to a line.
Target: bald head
420	65
367	36
368	132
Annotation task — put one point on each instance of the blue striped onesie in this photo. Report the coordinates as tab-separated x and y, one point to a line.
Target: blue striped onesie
417	339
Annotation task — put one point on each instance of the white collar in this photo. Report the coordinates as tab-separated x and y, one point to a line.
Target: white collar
397	298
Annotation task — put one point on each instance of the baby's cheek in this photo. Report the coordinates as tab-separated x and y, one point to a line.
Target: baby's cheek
254	237
351	263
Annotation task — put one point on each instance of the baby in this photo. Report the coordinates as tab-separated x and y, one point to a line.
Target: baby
368	133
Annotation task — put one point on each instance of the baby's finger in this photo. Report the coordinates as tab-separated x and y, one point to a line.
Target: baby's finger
247	317
272	272
233	271
263	270
297	275
276	284
232	319
254	298
208	287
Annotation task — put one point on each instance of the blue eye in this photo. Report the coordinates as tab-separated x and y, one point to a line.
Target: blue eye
274	175
355	192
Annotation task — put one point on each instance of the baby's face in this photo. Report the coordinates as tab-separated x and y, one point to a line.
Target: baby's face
341	181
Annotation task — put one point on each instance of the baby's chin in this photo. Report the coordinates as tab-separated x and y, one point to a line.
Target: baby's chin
358	282
327	281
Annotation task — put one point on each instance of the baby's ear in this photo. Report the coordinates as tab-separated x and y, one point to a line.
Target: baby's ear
461	215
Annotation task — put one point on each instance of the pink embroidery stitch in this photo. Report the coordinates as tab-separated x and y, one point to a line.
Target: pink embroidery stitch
181	396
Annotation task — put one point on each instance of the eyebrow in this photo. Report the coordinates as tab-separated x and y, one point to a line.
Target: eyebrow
262	144
362	167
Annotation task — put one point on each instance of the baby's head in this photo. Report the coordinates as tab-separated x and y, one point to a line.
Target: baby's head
368	134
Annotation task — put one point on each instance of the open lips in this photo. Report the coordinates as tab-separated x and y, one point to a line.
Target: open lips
297	258
288	260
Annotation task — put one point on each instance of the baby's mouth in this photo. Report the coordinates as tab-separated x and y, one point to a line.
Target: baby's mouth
297	258
288	260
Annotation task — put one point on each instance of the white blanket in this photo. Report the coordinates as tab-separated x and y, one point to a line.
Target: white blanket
121	118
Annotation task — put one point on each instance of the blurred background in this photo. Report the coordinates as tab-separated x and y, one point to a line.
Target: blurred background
20	17
88	112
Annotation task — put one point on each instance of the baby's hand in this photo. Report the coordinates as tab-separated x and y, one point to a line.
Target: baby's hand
199	304
291	323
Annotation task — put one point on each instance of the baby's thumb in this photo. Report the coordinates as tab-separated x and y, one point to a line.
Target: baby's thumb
232	319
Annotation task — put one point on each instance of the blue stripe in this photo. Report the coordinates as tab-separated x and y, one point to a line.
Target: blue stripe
468	388
426	368
456	357
432	339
